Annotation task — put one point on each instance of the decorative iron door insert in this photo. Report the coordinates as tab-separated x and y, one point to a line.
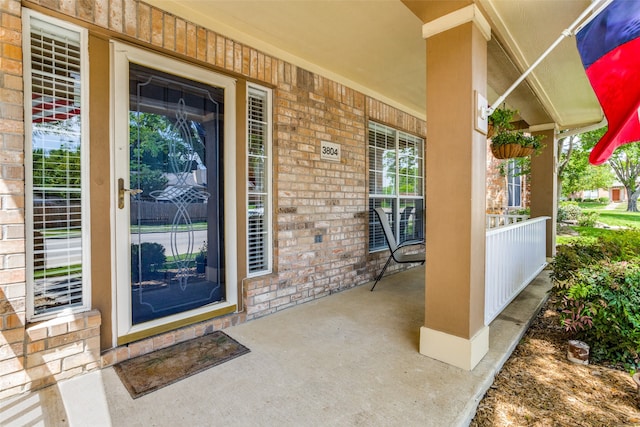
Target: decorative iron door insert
175	194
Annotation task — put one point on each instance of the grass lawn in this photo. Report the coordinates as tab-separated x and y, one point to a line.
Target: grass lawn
617	217
592	205
586	235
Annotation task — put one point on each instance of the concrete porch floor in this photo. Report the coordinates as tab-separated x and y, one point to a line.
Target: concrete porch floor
347	359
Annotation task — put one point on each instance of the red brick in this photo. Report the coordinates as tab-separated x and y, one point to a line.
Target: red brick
11	336
11	126
11	7
13	380
68	7
181	36
140	347
11	365
108	358
93	319
36	333
169	32
191	40
14	320
85	9
101	13
201	44
56	329
35	347
157	23
130	17
78	360
43	370
115	15
122	353
144	22
14	261
8	35
9	351
13	232
55	354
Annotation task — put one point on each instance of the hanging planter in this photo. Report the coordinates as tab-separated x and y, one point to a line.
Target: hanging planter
507	143
506	151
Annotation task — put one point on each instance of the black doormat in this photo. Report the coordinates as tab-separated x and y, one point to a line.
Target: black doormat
144	374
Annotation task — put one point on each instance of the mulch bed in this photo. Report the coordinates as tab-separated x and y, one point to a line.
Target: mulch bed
538	386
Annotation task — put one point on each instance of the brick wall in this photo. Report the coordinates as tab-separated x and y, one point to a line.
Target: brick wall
320	212
496	185
497	197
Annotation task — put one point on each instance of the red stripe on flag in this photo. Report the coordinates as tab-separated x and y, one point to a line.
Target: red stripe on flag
50	109
615	79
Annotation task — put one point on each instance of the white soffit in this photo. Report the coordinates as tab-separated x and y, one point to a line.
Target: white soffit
525	29
371	46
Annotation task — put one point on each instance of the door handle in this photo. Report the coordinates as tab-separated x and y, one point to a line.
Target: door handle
122	190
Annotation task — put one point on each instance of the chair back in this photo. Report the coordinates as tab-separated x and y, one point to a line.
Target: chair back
386	228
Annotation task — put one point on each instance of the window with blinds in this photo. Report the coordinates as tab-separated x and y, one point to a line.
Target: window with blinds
514	184
396	183
55	166
258	180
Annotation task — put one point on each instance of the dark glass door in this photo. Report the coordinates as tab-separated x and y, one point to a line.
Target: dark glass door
175	194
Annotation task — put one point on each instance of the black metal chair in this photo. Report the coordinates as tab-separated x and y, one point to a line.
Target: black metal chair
396	254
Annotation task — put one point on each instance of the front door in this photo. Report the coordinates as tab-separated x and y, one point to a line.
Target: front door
170	195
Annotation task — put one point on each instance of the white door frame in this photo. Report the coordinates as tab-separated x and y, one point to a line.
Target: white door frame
121	56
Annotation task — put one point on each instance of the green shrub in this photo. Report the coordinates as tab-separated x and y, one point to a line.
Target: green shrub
147	259
597	293
604	200
569	211
621	245
570	258
588	219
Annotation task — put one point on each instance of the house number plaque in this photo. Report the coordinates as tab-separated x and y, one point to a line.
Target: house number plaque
329	151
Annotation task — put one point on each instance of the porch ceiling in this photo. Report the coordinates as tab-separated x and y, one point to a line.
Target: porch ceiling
376	47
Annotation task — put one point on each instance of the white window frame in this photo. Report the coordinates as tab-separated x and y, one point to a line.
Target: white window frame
269	186
28	15
396	196
512	185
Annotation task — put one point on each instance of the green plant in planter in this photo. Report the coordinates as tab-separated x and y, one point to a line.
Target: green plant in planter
508	143
500	121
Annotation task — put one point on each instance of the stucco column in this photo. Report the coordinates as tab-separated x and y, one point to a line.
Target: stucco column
544	185
454	330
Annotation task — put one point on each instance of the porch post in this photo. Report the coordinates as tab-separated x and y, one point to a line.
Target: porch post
454	330
544	186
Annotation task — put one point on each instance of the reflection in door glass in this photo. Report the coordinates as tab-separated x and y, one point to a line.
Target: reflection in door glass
175	134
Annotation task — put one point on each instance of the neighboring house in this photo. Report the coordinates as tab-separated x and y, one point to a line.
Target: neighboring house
298	129
617	192
596	194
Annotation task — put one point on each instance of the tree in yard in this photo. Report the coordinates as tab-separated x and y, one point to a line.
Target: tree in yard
625	162
575	174
565	150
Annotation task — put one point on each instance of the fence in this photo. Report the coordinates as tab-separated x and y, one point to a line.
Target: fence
494	220
515	255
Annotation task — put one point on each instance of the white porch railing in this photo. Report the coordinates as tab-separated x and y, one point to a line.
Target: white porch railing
515	255
498	220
